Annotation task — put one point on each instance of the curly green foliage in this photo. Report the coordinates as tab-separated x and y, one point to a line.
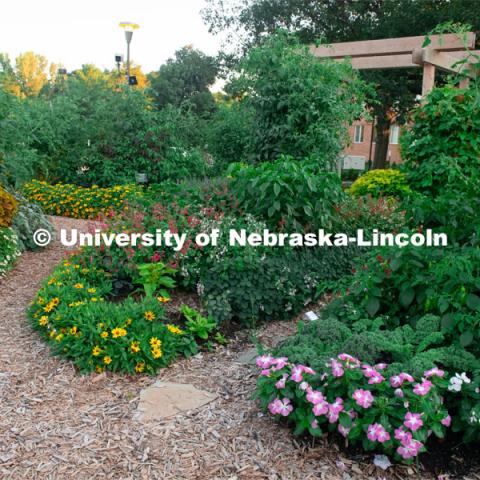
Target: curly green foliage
441	150
9	250
381	182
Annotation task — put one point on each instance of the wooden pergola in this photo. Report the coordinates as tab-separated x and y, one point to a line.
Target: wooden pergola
444	52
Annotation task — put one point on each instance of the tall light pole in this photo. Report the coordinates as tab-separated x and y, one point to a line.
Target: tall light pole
129	27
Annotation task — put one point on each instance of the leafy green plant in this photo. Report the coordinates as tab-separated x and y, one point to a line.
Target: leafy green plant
380	182
152	276
9	249
288	193
197	324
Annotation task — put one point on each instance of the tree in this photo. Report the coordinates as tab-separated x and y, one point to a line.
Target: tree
186	78
347	20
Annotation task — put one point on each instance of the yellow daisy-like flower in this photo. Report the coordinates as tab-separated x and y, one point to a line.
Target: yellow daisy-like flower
155	342
156	352
135	347
43	320
94	299
128	322
118	332
78	286
149	315
66	264
175	330
107	360
55	301
99	369
163	299
59	337
96	351
139	367
104	334
40	301
48	307
73	330
91	290
53	333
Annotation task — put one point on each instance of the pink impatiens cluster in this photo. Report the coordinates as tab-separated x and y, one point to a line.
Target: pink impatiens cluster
346	390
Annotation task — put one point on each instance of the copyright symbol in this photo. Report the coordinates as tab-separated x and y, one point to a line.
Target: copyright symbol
42	237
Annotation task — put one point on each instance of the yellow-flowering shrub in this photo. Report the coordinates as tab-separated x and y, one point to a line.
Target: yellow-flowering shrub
8	208
78	202
380	182
72	313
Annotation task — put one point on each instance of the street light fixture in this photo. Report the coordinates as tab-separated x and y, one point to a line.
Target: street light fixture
129	27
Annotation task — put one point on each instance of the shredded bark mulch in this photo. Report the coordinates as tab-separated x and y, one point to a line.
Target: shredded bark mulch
57	424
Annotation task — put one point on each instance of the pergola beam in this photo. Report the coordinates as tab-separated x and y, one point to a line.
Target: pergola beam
393	46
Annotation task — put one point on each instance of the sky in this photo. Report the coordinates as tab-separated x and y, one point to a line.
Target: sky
75	32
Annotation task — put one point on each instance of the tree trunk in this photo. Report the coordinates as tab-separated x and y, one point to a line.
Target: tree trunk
381	146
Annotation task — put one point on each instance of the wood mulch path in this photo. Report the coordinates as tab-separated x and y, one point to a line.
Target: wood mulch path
57	424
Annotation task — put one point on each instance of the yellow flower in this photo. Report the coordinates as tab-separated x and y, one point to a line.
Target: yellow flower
135	347
128	322
104	334
78	285
91	290
43	320
73	330
99	369
139	367
93	299
155	342
118	332
163	299
40	301
149	315
156	352
96	351
107	360
55	301
48	307
59	337
175	330
53	333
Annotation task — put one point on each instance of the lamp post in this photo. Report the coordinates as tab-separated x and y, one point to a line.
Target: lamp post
129	27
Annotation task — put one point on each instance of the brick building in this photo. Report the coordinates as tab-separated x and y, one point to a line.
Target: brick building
363	145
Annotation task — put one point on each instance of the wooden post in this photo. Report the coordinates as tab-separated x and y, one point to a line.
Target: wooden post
428	78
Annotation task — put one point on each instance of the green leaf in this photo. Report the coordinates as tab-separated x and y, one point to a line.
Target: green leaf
466	338
406	296
373	305
276	189
473	301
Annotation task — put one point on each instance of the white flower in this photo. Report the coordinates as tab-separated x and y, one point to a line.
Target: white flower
463	377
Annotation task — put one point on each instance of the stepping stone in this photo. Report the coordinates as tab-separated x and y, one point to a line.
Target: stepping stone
165	399
247	357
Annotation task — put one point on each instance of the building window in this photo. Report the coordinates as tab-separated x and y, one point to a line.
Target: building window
358	136
394	134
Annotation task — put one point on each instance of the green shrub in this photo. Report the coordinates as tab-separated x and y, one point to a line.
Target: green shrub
8	208
288	193
28	219
441	151
9	250
388	183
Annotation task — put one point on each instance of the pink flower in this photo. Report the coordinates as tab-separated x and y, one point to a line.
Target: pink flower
307	370
279	363
422	388
377	432
344	431
281	383
369	371
337	406
399	393
381	366
351	362
314	424
337	370
363	398
376	378
315	397
446	421
434	372
304	386
297	374
407	377
396	381
413	421
383	436
265	361
332	417
410	450
404	437
280	407
265	372
352	414
320	409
